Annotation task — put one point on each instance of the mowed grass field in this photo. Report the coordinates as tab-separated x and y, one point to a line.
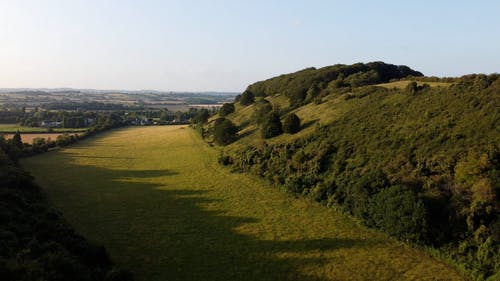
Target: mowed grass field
12	128
29	137
163	207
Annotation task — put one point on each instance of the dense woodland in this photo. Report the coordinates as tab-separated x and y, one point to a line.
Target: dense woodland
420	162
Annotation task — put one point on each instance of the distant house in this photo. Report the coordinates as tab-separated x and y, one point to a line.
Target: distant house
146	121
142	121
51	124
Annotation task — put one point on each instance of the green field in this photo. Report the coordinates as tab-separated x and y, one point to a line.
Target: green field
163	207
12	128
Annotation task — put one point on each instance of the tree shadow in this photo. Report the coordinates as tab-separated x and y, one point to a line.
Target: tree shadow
309	124
170	233
76	155
247	133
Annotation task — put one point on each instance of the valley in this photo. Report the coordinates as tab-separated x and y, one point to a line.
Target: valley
157	199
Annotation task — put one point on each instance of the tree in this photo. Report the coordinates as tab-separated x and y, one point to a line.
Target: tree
225	132
202	116
247	98
39	145
312	92
262	109
226	109
272	126
291	124
164	116
17	141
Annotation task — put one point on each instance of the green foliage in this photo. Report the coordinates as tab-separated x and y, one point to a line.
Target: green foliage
398	211
305	85
262	110
272	126
73	122
247	98
40	145
363	78
16	140
226	109
225	132
65	139
202	116
357	191
291	123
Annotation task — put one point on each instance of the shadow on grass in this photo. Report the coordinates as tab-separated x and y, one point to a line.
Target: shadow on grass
247	133
76	155
309	124
169	233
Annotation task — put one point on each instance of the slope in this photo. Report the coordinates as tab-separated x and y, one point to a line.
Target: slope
427	146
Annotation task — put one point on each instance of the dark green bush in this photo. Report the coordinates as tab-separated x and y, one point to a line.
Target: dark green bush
291	124
272	126
225	132
246	98
398	211
226	109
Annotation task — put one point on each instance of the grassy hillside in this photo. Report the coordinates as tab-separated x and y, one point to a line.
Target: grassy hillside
418	158
158	200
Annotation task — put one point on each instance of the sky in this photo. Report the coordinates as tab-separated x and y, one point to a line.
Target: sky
221	45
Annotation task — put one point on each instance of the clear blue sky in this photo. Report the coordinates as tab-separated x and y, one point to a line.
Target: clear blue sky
226	45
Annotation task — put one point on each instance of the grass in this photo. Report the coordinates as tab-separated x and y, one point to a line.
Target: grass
29	137
403	84
12	128
163	207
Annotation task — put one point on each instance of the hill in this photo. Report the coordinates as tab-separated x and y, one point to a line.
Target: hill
417	157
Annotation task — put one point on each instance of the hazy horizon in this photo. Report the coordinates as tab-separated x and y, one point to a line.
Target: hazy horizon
223	46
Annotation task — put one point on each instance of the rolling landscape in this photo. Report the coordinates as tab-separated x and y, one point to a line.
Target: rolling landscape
263	140
233	196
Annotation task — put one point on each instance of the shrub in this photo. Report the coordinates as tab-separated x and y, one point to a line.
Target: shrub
291	124
398	211
262	109
272	126
247	98
225	132
226	109
202	116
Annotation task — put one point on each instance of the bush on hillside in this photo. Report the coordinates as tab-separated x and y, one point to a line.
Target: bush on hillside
247	98
262	110
226	109
202	116
291	123
272	126
225	132
398	211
